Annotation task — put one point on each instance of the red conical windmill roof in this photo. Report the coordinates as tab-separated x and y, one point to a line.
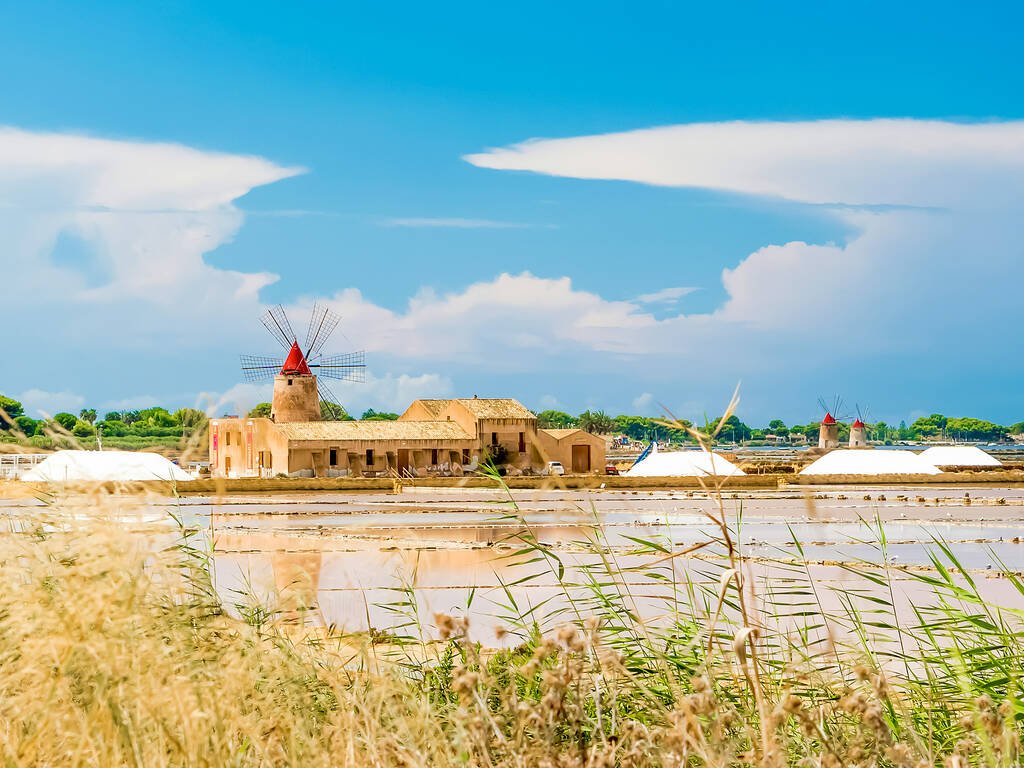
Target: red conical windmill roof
296	362
828	419
858	424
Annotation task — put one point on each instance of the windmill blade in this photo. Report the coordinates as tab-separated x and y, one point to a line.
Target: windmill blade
327	396
257	368
350	366
321	325
276	321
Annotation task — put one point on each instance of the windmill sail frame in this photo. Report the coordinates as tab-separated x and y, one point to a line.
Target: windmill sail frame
348	366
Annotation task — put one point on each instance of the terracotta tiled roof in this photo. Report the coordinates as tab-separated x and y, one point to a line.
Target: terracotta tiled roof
481	407
373	430
496	408
434	407
558	434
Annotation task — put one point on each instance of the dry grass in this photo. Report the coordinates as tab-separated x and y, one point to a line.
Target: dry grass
116	650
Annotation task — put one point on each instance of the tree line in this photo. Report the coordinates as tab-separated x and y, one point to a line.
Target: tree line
329	412
127	428
644	428
158	426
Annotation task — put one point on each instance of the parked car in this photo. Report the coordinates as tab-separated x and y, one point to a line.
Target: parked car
611	469
554	468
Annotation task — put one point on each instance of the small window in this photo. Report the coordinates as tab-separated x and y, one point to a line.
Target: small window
433	455
289	382
334	457
369	457
494	438
522	442
227	439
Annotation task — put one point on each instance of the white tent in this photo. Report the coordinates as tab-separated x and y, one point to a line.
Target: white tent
684	464
959	456
103	466
870	462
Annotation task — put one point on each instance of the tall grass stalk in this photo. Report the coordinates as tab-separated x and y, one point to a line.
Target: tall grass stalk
115	649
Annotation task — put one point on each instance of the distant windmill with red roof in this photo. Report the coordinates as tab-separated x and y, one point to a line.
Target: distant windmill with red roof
828	432
297	391
858	432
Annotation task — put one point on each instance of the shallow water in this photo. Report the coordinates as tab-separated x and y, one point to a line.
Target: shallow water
352	556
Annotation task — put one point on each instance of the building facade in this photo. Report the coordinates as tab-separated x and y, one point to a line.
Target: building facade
432	437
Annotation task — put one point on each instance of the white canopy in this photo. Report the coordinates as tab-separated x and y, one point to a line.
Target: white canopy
870	462
103	466
699	463
959	456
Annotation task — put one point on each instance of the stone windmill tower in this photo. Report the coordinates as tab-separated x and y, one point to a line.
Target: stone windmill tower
858	432
828	431
298	379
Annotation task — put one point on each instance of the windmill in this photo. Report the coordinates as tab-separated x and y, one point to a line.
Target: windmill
299	377
859	431
828	433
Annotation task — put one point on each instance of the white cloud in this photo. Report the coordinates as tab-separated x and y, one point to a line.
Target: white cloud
550	403
665	295
850	162
236	401
135	402
39	403
386	392
453	223
642	404
935	207
146	215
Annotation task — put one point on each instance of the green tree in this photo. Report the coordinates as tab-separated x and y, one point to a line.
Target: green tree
596	422
113	427
129	417
66	420
26	425
260	411
88	414
371	415
11	410
112	416
333	412
156	417
778	427
83	429
928	426
1017	428
190	419
733	429
975	429
551	419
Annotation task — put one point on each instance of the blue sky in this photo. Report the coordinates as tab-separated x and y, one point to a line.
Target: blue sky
379	108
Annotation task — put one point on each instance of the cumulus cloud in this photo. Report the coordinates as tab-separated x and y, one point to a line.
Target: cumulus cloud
665	295
42	404
935	207
145	215
387	392
643	403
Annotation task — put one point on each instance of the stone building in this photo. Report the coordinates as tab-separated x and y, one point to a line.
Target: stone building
828	433
446	437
